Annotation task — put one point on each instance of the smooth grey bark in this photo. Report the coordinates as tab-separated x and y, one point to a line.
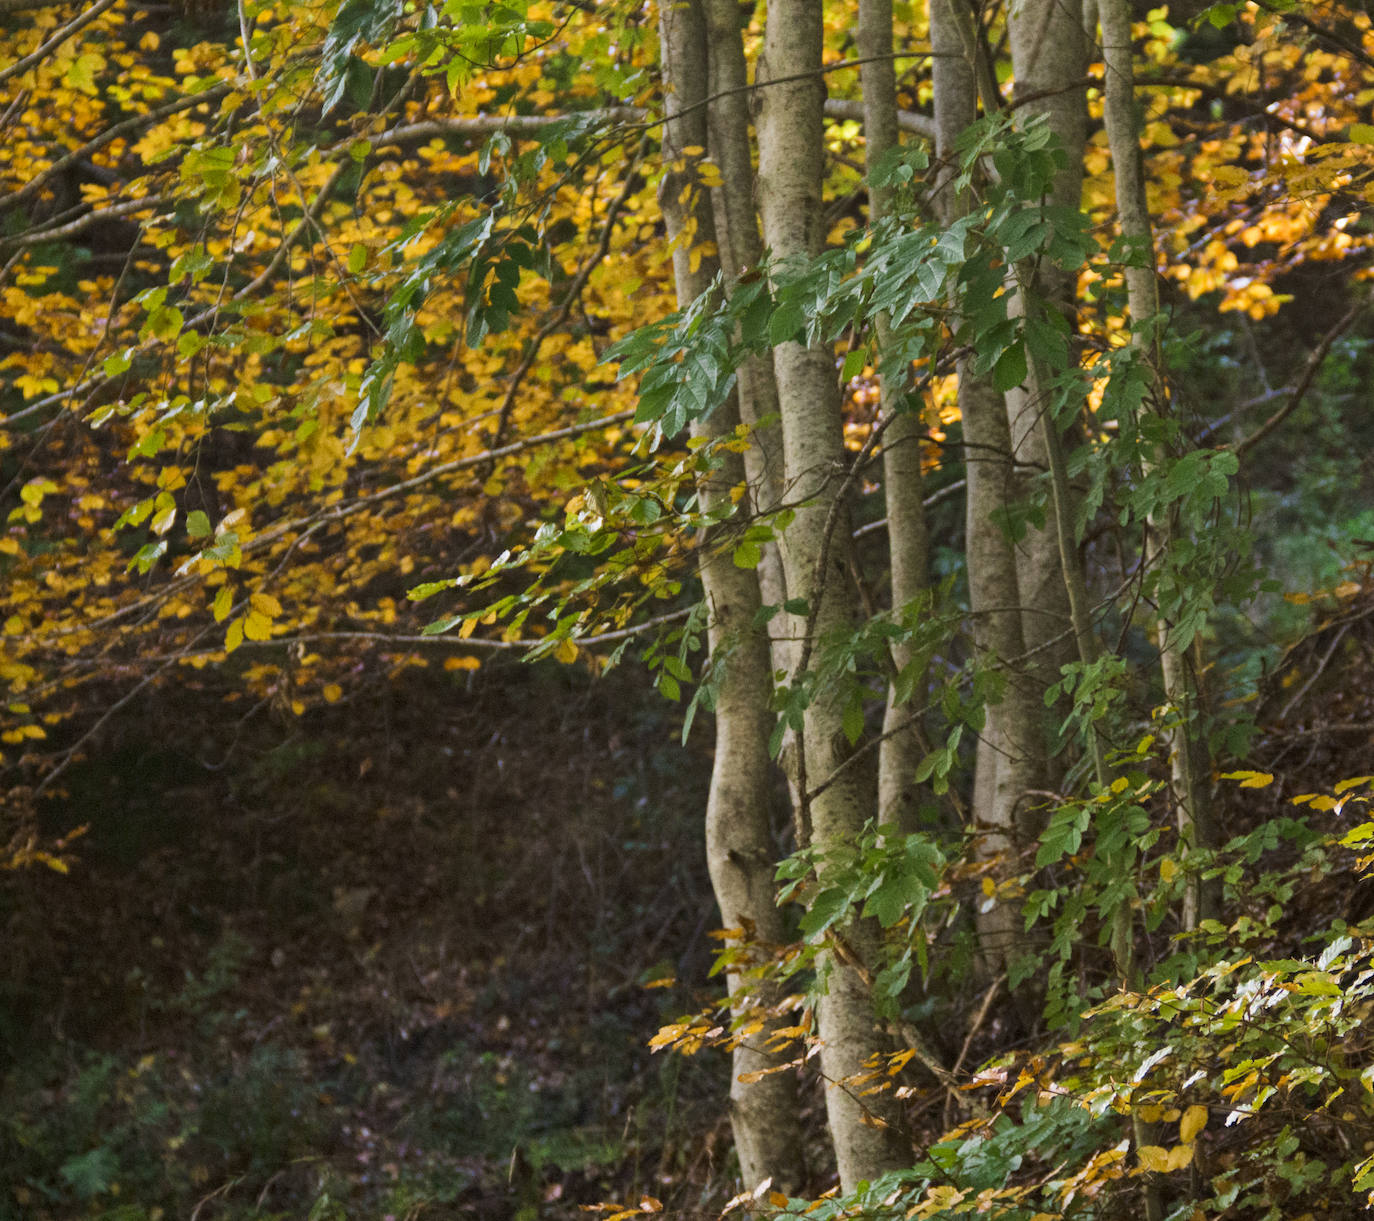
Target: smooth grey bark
739	851
741	248
901	750
815	553
1010	759
1049	55
1188	756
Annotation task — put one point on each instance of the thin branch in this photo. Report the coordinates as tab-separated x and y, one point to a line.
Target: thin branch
570	298
908	120
906	1030
472	642
482	125
1295	397
38	234
945	493
111	134
1354	50
60	35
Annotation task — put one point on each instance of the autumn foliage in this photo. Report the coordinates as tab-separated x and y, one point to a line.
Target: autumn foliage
341	341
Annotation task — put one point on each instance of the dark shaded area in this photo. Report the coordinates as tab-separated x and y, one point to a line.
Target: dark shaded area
383	959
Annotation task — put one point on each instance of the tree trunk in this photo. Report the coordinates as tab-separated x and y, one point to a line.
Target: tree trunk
1011	761
741	247
1049	55
739	847
901	750
1189	764
815	550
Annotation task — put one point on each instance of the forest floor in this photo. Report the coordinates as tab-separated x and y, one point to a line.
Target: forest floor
387	959
391	959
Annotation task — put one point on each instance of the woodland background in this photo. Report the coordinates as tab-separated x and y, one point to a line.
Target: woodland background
306	912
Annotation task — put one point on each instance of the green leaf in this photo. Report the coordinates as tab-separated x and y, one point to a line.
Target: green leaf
198	524
91	1174
427	590
854	364
163	323
853	721
747	555
1010	370
118	362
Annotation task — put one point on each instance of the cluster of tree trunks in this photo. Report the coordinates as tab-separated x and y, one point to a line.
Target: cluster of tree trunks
1027	598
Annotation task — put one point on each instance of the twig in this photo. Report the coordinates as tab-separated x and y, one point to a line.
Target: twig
60	35
1316	674
935	498
979	1018
570	298
472	642
1309	373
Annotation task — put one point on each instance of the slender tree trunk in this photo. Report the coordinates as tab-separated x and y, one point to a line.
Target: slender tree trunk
741	247
739	849
815	551
1189	764
901	750
1011	758
1049	54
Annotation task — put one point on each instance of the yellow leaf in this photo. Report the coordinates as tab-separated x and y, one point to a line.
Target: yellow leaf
1250	780
332	693
234	637
265	604
989	887
462	663
1180	1157
1354	782
1193	1121
257	626
1168	869
1153	1157
566	651
777	1199
224	601
1361	133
